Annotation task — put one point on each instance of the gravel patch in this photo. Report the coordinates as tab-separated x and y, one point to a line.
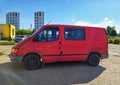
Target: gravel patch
71	73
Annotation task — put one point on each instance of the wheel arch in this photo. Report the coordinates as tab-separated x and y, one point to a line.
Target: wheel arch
30	54
94	53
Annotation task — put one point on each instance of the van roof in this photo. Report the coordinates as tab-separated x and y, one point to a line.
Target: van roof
72	25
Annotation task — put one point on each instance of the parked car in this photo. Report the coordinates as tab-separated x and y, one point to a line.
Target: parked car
20	37
61	43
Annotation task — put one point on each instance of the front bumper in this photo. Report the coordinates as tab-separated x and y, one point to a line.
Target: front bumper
103	56
15	58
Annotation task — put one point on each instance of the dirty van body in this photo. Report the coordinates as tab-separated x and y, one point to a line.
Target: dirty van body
61	43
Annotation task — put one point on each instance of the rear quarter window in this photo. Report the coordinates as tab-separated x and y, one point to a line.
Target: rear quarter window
74	33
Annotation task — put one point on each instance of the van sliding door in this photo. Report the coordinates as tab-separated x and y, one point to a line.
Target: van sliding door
73	44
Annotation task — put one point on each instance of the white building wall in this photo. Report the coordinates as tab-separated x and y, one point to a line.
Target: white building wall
38	20
14	19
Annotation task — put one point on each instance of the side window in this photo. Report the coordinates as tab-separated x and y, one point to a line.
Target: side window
49	34
74	34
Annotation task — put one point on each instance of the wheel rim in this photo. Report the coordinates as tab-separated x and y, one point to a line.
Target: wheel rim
94	60
32	62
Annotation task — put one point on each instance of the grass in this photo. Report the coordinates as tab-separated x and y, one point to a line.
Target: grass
7	43
1	53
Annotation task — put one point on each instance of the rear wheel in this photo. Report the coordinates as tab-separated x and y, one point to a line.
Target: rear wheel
94	59
32	62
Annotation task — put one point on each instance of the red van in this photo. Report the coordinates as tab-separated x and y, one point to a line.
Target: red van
61	43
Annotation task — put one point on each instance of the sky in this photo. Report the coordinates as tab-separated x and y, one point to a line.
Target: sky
74	12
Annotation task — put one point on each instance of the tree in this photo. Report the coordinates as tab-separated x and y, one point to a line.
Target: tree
33	31
111	31
24	32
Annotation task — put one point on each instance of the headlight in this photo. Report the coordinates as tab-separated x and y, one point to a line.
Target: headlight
14	51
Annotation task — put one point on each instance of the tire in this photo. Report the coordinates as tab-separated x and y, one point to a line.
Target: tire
94	59
32	62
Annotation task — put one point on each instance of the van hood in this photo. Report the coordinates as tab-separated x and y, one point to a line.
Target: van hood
21	43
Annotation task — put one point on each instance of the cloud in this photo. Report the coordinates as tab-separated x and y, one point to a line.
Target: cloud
83	23
106	22
106	18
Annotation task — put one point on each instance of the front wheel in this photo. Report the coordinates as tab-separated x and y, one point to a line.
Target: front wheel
94	60
32	62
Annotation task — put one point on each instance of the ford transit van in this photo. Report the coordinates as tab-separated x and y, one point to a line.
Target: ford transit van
61	43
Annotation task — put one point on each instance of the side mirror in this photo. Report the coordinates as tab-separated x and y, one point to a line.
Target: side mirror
35	38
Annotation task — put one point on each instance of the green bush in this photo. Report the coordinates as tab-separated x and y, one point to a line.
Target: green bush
111	41
7	43
114	40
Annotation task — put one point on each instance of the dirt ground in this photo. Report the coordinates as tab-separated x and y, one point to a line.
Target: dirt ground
72	73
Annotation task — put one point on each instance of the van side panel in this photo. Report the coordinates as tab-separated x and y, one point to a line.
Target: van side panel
97	40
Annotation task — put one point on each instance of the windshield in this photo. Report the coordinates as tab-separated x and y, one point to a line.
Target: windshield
33	33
